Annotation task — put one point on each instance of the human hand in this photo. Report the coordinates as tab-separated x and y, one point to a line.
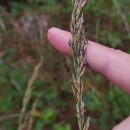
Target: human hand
114	64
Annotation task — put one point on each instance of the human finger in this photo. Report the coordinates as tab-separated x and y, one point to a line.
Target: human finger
125	125
114	64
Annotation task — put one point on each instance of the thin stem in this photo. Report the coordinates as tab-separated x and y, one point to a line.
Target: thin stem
127	26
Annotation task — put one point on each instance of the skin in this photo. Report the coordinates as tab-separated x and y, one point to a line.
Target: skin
113	64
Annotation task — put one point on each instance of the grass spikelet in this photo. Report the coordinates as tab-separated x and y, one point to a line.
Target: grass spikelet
78	45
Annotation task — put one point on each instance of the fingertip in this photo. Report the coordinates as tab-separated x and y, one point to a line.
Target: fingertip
50	31
50	34
59	39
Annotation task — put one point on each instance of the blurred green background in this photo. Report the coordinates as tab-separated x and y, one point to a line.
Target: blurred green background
23	44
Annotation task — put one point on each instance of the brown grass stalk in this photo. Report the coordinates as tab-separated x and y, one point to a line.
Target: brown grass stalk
123	17
28	95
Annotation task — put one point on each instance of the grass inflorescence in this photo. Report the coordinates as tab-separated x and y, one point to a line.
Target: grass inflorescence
78	45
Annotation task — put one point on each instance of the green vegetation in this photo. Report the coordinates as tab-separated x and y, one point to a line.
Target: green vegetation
23	43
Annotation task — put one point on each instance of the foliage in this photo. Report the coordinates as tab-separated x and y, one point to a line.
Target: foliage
112	106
